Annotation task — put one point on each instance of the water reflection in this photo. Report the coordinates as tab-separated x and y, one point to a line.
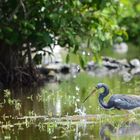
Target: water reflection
56	101
125	129
80	130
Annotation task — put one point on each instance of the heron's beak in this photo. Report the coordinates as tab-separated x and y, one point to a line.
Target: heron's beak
92	92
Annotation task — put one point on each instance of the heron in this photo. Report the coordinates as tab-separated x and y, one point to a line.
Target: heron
116	101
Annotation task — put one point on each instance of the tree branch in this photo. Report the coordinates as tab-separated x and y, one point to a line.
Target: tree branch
24	8
14	12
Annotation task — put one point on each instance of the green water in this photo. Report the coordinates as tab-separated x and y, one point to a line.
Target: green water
49	112
133	52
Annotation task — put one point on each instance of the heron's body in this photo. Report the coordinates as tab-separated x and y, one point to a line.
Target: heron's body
118	101
121	101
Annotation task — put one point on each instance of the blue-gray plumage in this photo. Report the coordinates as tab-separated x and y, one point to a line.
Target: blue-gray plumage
118	101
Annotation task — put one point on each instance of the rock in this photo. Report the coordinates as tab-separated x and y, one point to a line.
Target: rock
110	63
124	63
127	77
44	71
121	48
48	74
90	66
52	77
65	69
135	63
55	67
135	71
70	69
49	55
74	69
58	72
99	72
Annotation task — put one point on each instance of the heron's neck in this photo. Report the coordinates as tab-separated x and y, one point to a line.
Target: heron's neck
102	95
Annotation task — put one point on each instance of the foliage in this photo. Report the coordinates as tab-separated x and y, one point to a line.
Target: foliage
11	102
130	19
28	26
40	22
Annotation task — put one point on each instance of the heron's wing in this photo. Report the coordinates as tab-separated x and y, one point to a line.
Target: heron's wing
125	101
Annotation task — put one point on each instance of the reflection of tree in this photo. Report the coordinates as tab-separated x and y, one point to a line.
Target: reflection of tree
127	129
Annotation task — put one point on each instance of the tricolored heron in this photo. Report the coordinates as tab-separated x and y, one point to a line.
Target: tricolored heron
117	101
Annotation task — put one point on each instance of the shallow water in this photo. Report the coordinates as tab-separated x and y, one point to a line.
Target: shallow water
57	111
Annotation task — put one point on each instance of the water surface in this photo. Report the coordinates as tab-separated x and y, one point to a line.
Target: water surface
56	111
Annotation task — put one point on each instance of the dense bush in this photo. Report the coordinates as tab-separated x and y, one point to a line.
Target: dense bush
129	18
28	26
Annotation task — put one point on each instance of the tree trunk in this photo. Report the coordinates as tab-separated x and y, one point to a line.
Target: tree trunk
13	69
8	61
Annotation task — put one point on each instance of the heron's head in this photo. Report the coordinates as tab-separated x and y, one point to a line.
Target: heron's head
99	85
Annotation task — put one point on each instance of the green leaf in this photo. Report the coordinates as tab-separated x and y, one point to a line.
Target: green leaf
82	62
76	47
37	58
47	38
97	58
